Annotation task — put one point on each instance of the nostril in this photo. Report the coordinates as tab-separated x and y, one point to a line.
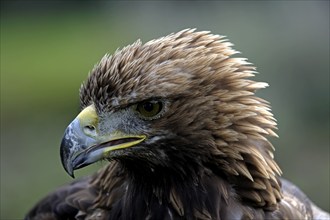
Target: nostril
89	130
90	127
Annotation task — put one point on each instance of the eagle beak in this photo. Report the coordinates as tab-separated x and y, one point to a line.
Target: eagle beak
82	144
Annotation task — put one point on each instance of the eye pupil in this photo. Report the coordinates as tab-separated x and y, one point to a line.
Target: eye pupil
148	106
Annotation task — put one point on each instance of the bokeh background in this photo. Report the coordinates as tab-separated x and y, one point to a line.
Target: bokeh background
48	48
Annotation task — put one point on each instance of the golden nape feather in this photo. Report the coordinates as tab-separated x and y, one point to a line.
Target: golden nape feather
185	136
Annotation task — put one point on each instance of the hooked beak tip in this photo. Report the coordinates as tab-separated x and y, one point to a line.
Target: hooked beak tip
69	170
66	158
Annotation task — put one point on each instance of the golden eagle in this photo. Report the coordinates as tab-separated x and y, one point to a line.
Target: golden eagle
185	136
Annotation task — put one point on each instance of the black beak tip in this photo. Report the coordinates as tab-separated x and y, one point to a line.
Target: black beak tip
68	167
71	174
66	158
69	170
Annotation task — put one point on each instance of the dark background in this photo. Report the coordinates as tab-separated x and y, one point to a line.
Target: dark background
48	48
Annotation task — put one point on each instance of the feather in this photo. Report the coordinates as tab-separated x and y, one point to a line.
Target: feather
176	203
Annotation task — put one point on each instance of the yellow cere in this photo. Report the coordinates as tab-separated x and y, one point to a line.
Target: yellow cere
88	116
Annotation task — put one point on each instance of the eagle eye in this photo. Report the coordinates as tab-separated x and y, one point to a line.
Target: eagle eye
149	109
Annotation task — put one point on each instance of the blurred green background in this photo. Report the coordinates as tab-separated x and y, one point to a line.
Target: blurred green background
48	48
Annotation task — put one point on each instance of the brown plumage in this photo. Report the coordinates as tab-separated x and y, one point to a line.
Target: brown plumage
185	135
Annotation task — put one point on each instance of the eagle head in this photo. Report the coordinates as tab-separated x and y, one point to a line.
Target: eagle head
176	106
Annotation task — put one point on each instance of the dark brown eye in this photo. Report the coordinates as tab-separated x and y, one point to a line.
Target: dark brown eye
149	109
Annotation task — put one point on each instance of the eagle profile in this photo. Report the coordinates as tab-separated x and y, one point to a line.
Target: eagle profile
185	136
